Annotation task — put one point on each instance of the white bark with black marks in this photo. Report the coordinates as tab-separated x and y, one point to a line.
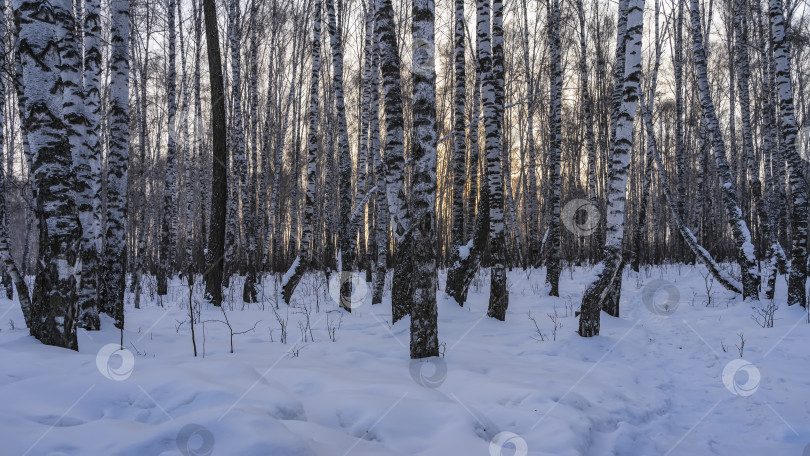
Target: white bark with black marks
742	237
604	292
42	28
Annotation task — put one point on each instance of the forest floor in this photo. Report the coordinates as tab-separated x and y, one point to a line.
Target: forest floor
667	378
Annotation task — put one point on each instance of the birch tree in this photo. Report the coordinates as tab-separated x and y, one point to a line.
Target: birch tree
168	240
742	237
424	332
789	130
604	291
117	161
552	246
459	142
54	303
301	263
394	154
347	241
490	57
381	214
88	172
9	265
470	256
531	205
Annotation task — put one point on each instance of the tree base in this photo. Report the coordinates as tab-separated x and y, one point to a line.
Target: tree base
379	283
295	274
460	275
498	293
402	284
162	282
346	290
602	294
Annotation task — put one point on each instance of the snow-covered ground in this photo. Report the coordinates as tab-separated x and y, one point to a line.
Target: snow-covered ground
666	378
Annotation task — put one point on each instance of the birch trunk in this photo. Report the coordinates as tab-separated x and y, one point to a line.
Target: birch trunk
552	246
42	29
604	292
347	242
424	332
88	173
459	147
798	187
394	154
115	252
490	57
301	263
742	237
168	239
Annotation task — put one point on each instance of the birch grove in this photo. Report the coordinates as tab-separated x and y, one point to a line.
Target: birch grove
399	152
